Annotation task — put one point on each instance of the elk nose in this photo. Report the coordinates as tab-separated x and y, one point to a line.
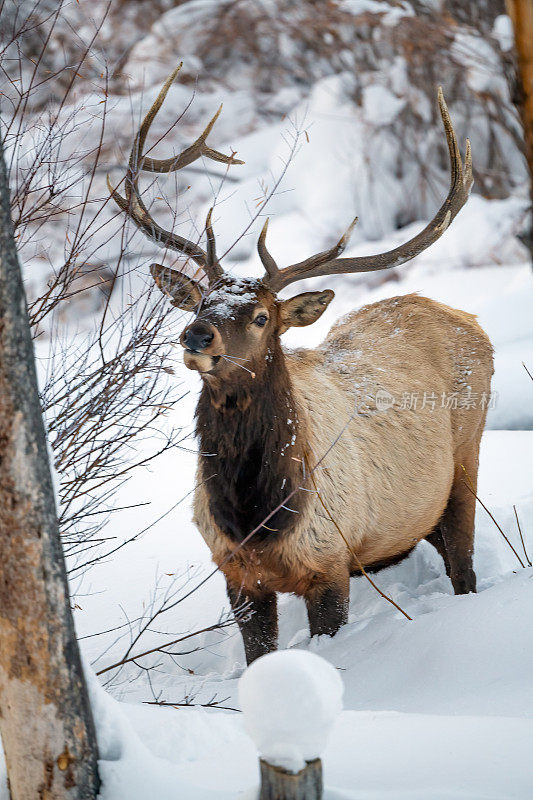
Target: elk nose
198	336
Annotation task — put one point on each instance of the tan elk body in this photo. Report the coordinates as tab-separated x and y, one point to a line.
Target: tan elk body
316	463
388	477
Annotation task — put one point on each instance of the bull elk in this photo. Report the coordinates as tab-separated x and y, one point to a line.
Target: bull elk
286	434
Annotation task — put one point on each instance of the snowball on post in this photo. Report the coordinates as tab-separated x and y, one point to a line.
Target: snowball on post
290	700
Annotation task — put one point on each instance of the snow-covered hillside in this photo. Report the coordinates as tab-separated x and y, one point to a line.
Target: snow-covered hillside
436	708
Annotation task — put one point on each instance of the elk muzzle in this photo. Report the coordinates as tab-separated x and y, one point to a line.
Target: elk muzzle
203	346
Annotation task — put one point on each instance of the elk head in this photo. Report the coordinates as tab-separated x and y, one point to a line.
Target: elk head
238	320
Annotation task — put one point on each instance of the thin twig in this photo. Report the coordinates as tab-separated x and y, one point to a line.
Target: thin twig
211	704
521	537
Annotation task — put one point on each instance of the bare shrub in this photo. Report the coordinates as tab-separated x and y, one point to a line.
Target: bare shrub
104	380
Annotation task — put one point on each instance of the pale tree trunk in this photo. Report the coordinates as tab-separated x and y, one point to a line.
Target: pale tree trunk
521	13
45	718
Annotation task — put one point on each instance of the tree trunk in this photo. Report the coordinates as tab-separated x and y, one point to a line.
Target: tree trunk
45	718
278	784
521	13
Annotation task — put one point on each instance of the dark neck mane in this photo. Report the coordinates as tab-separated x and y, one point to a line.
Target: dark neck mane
251	452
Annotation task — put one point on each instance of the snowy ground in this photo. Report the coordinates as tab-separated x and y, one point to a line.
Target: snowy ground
440	707
436	708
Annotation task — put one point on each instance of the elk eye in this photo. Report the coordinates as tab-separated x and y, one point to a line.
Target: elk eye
261	320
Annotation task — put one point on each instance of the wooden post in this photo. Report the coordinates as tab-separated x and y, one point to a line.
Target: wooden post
521	13
290	701
45	718
278	784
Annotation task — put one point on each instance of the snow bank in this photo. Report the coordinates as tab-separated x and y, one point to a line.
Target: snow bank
131	766
391	756
469	655
438	708
290	700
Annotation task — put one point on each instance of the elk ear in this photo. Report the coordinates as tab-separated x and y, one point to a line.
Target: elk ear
183	292
304	309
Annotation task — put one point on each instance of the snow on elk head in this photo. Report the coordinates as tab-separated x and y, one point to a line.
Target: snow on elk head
237	323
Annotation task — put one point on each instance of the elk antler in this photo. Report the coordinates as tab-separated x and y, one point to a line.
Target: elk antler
328	262
134	207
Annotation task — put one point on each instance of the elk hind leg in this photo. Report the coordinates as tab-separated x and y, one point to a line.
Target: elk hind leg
453	537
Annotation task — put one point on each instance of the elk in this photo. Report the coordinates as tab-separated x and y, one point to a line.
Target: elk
284	435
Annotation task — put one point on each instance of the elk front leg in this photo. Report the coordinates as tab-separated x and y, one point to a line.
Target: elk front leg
327	607
257	617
